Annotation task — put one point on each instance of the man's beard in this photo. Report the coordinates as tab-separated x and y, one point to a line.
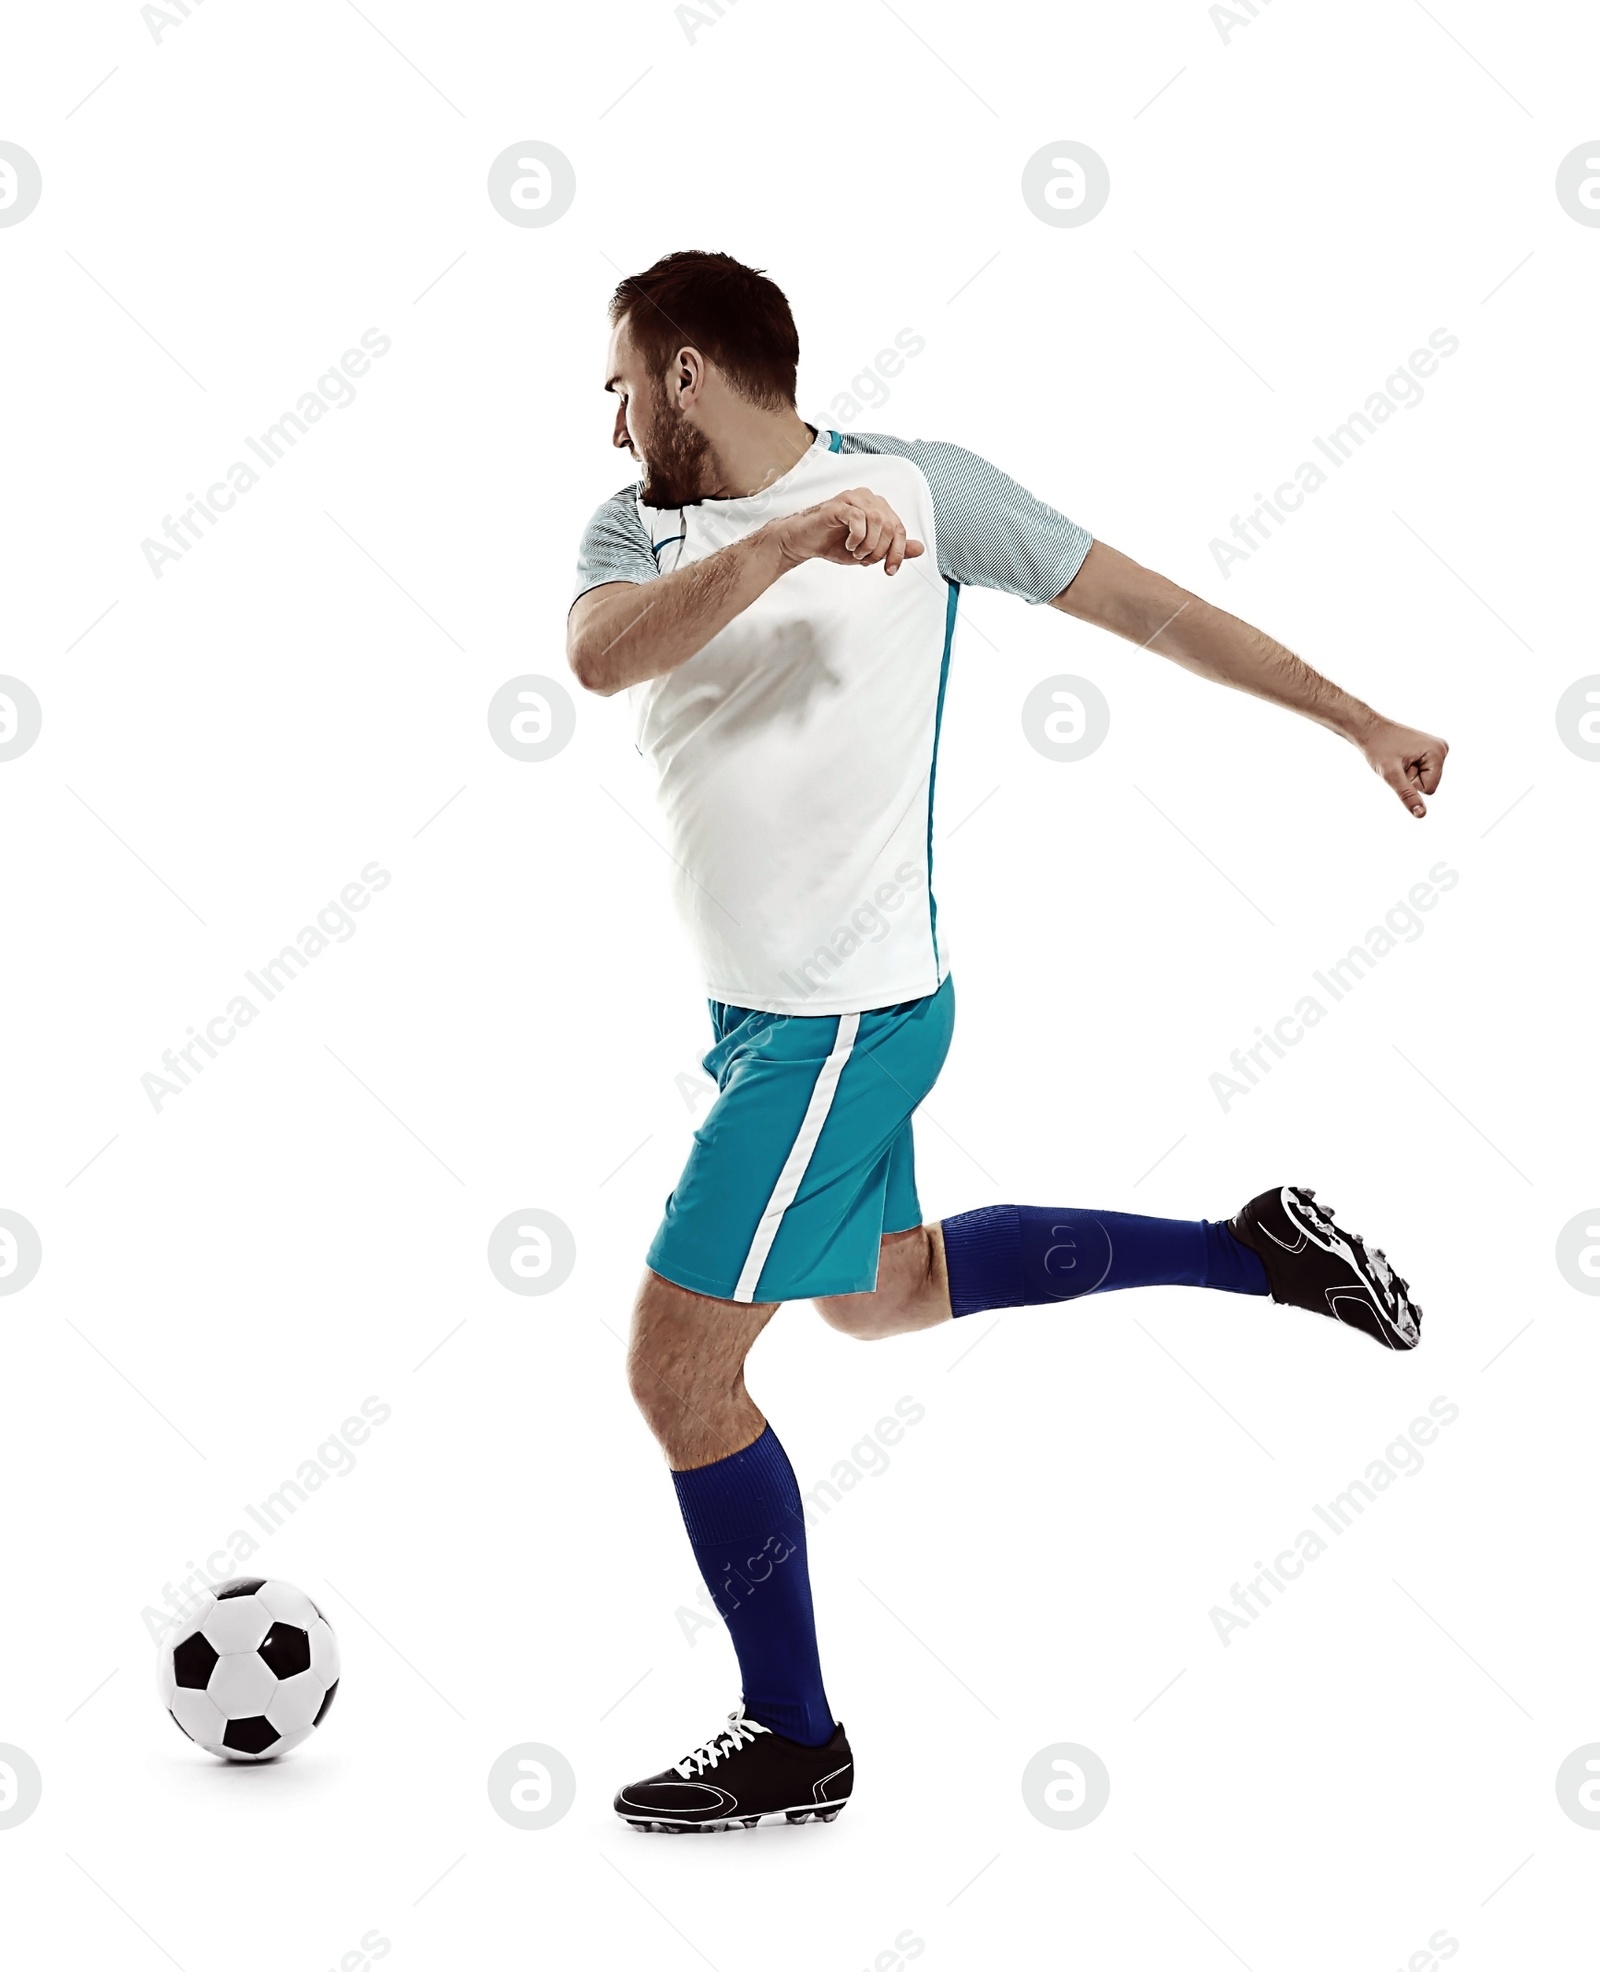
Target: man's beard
676	461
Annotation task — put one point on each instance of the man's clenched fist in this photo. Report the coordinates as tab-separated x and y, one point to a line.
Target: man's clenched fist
857	528
1411	762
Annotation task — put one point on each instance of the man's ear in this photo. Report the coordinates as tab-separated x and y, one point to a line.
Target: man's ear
689	373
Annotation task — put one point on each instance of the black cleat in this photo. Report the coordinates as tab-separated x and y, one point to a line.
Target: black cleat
739	1777
1312	1263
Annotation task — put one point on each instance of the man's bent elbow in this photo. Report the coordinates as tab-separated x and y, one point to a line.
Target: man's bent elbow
588	667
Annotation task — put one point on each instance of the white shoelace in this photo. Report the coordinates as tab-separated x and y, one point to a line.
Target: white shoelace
739	1731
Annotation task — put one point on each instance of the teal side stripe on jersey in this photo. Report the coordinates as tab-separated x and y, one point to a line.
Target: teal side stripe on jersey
933	765
835	441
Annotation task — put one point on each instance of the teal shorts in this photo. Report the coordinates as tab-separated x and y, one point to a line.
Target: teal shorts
804	1161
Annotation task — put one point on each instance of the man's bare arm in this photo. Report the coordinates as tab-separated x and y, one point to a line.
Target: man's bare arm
621	633
624	632
1119	595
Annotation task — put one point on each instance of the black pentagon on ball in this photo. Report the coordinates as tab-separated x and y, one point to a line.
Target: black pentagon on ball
285	1650
327	1700
249	1735
179	1723
193	1662
246	1585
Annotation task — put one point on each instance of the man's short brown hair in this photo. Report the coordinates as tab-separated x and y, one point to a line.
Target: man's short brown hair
731	313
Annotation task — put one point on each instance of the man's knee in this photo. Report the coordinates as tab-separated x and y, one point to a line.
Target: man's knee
664	1376
905	1297
867	1317
646	1386
686	1359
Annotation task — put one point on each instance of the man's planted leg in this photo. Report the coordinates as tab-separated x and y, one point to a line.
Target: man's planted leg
782	1751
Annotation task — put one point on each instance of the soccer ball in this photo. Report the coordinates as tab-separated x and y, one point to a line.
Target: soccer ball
252	1672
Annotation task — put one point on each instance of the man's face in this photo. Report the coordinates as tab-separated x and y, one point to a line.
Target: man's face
651	428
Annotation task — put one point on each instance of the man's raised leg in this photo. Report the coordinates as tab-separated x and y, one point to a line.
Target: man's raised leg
1282	1243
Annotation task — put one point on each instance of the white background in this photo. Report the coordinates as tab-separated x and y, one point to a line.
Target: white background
305	1227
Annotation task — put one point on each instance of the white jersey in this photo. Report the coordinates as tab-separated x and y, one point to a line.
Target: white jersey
796	752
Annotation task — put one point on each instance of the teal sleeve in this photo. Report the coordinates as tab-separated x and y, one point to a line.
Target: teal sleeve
615	546
991	532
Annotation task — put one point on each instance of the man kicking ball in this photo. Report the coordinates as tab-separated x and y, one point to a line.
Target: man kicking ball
781	599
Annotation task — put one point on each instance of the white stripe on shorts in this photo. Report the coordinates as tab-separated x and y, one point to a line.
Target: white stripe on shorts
794	1165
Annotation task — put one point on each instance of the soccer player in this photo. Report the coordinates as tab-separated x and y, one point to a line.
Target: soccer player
779	599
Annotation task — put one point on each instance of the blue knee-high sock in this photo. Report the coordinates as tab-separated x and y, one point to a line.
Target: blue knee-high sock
749	1536
1017	1256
